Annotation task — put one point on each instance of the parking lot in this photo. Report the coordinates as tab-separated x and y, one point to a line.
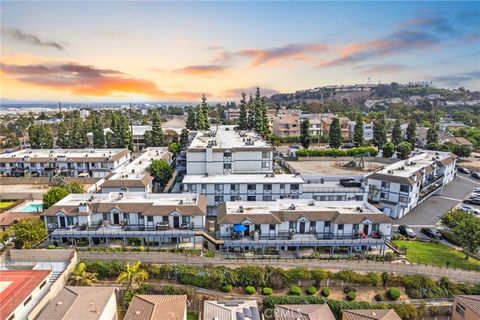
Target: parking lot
428	213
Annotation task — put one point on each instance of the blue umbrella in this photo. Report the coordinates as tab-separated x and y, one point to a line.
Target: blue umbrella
239	228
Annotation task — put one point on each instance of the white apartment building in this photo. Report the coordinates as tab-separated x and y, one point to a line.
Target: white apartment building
96	163
134	177
401	186
367	130
156	218
295	223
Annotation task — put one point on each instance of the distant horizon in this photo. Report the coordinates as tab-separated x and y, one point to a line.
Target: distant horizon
176	51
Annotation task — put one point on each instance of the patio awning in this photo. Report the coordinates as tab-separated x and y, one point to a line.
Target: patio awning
239	228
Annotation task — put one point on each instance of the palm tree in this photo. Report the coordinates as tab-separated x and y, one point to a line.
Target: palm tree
133	275
81	277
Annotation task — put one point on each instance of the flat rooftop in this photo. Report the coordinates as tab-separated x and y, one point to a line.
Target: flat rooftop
227	138
42	155
243	178
329	167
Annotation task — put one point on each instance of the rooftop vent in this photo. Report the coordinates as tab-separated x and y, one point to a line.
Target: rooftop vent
240	209
292	207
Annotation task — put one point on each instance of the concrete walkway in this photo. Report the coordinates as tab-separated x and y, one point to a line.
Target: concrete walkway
455	275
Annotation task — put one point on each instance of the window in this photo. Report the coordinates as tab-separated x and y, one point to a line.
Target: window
403	199
267	198
70	221
218	199
404	188
251	187
385	184
43	284
383	195
105	216
150	219
204	186
251	198
185	219
340	227
165	218
271	227
375	227
218	187
340	198
126	216
460	310
227	166
27	301
234	187
233	198
267	187
12	317
265	165
293	225
265	155
227	154
282	185
355	227
294	187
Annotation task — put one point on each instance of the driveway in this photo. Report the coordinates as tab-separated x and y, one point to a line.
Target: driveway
428	213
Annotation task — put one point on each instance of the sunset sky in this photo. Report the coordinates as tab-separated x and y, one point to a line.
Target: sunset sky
164	51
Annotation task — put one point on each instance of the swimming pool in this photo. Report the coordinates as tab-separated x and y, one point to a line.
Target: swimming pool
31	207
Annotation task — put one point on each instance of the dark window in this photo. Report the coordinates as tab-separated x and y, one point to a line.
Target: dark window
43	284
340	227
267	187
233	198
165	218
385	184
327	224
403	199
375	227
251	187
282	185
293	225
27	301
404	188
218	198
460	310
251	198
355	227
383	195
150	218
227	166
204	186
233	187
272	227
294	187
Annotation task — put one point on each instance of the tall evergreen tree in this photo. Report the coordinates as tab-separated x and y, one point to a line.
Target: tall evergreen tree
63	139
264	118
251	114
242	119
358	132
202	115
335	134
77	140
397	133
305	137
258	112
40	137
125	137
411	133
380	132
97	130
183	139
156	137
191	123
432	136
115	134
109	140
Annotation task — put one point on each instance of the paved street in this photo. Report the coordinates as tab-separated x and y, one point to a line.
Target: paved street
430	211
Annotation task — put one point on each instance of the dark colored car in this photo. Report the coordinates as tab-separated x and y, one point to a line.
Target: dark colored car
476	175
472	201
406	231
464	170
431	233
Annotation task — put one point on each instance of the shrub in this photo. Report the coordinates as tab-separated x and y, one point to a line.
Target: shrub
227	288
351	295
336	152
325	292
295	291
348	289
141	248
393	293
378	297
51	246
250	290
311	290
267	291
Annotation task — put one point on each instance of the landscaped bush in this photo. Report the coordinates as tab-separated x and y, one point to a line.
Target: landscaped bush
325	292
311	290
250	290
378	297
227	288
105	269
51	246
348	289
351	295
336	152
295	291
394	293
267	291
141	248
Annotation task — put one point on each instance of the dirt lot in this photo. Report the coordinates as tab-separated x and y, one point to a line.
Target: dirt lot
333	167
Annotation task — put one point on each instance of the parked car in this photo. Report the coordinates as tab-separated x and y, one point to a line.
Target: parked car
431	233
469	209
476	175
406	231
475	201
464	170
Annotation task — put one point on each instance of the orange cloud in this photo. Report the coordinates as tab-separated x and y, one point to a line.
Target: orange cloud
203	70
84	80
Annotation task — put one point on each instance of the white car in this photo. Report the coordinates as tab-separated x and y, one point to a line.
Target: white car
469	209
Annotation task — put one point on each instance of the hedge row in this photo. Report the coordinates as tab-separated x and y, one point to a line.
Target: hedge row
336	152
405	311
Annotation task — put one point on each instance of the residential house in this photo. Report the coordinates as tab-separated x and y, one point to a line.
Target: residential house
231	310
286	125
157	307
466	308
370	314
303	312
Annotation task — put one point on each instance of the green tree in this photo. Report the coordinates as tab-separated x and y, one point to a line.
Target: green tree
202	115
305	133
380	132
191	122
125	133
109	140
133	276
28	232
388	150
156	137
358	132
183	139
114	139
335	134
404	149
461	151
53	195
411	132
63	139
97	130
80	276
258	112
264	118
467	231
174	148
397	132
78	134
161	171
74	187
40	137
242	119
4	237
251	114
432	136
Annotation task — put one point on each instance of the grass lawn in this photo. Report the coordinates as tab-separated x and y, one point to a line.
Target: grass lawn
436	254
5	204
192	316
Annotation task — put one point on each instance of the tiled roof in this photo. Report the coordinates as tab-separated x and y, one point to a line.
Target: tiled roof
370	314
303	312
7	218
157	307
472	302
73	303
230	309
